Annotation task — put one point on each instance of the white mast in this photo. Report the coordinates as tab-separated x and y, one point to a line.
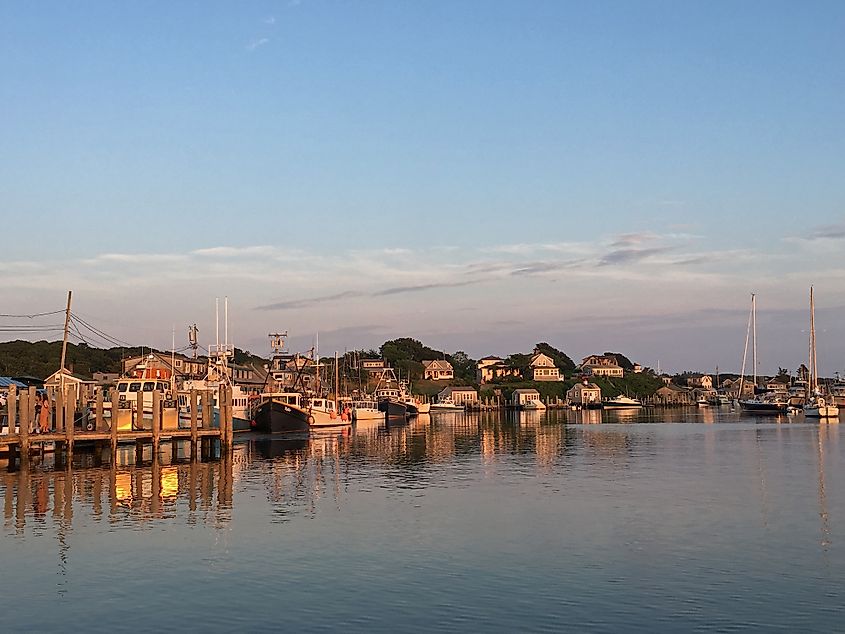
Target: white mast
745	350
812	357
754	312
226	320
217	321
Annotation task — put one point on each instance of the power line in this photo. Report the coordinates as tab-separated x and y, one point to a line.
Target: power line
33	315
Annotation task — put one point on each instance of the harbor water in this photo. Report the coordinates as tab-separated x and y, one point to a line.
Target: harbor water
660	520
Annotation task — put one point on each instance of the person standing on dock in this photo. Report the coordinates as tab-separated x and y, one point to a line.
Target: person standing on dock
45	420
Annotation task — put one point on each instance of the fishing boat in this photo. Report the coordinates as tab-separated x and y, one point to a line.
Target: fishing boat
765	403
365	409
288	404
391	399
816	405
622	402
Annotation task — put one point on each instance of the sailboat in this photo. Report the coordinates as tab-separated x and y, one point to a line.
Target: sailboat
768	403
816	406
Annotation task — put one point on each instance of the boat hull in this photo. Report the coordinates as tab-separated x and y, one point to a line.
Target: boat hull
277	418
394	409
763	408
822	411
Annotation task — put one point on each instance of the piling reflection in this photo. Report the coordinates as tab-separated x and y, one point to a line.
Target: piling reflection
296	473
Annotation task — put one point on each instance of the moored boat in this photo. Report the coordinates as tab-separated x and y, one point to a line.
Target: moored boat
622	402
446	405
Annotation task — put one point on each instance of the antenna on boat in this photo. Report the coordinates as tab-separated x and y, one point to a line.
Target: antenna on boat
226	320
192	338
217	321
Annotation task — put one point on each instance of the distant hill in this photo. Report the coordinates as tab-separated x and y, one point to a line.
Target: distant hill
42	358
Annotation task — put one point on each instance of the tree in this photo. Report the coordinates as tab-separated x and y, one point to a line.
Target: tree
463	366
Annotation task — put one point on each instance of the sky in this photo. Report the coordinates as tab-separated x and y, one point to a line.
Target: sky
482	176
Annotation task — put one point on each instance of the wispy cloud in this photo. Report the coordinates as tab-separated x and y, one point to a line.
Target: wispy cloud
257	43
270	19
828	232
629	256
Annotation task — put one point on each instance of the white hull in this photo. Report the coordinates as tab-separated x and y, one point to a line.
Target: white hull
361	414
441	407
822	411
534	406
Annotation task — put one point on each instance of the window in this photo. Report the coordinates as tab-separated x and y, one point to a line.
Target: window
135	387
121	387
149	386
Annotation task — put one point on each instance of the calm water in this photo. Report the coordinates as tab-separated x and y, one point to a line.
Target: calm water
685	520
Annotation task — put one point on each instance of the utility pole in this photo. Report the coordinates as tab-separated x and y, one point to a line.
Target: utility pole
64	340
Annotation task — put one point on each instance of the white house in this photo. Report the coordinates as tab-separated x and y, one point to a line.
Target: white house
459	395
522	397
584	393
542	368
491	368
438	370
83	388
601	365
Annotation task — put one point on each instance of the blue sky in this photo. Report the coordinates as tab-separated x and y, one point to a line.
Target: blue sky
480	175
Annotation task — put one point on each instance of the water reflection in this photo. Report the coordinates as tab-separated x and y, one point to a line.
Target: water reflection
296	473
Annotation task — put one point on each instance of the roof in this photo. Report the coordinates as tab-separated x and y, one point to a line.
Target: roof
526	391
491	358
69	374
451	390
587	386
7	381
437	363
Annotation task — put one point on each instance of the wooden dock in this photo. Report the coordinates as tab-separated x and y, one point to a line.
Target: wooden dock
21	439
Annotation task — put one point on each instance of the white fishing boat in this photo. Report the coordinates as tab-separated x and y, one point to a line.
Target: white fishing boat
817	406
365	409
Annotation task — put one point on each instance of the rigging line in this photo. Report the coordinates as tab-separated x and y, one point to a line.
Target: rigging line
32	316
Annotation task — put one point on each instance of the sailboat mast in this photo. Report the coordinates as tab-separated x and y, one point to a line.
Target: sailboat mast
754	339
745	350
814	370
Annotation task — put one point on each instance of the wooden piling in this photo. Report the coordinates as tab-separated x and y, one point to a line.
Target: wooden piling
194	405
12	408
139	410
99	423
156	421
70	415
59	411
115	407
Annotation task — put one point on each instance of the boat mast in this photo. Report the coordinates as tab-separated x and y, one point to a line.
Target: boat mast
812	356
754	313
745	351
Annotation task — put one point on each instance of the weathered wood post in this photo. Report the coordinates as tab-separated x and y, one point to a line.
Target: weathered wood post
139	410
59	411
207	409
12	408
194	405
70	414
99	423
25	418
227	425
156	424
115	411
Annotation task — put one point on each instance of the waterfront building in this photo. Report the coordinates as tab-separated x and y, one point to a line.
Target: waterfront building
672	394
373	366
522	397
60	379
702	381
584	394
458	395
